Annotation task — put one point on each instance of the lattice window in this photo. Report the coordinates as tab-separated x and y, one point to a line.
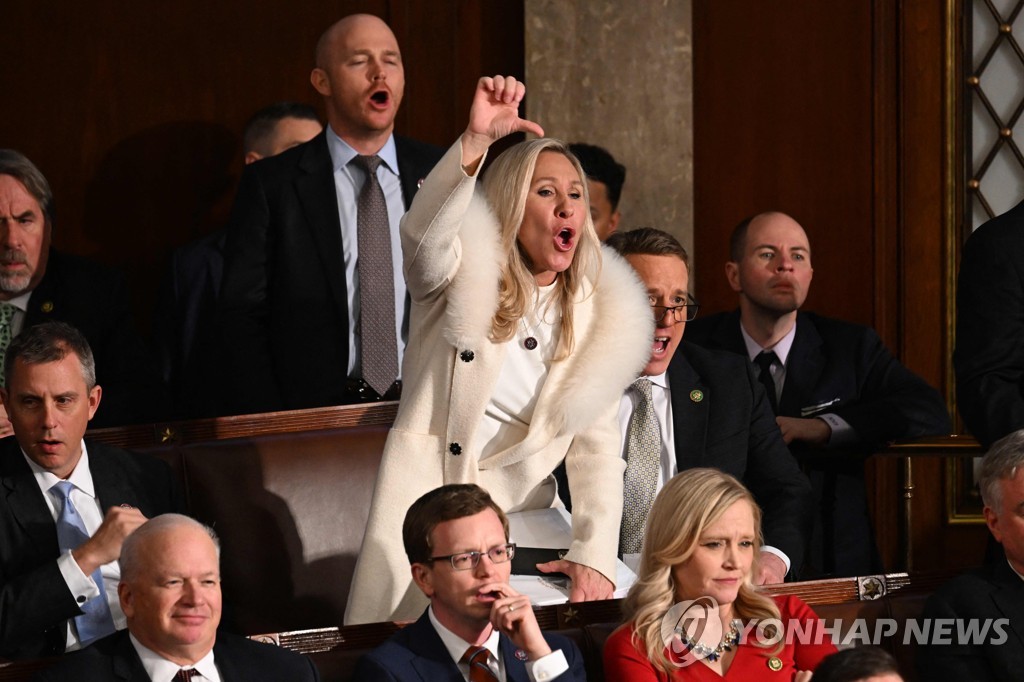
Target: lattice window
995	90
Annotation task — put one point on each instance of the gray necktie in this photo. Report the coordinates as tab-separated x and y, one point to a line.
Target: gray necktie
643	462
376	282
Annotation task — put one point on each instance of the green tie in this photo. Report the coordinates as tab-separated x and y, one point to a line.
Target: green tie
6	317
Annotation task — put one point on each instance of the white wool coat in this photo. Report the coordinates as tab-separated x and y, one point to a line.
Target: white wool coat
450	244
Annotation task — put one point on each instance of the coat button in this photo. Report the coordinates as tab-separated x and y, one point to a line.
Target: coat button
467	356
455	449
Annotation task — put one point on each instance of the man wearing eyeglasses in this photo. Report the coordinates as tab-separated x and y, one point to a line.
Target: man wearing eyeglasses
476	626
698	408
838	392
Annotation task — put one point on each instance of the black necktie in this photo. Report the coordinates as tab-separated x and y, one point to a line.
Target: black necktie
764	360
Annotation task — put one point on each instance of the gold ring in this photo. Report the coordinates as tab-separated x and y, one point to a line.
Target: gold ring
511	608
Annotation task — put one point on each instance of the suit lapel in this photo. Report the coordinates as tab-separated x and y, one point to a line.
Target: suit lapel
25	501
515	669
125	662
689	412
410	169
804	366
318	198
432	661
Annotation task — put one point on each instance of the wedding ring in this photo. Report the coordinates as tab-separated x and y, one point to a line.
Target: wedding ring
511	608
127	506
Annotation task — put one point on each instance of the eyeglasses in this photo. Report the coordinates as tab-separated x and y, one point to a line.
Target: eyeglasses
464	561
686	311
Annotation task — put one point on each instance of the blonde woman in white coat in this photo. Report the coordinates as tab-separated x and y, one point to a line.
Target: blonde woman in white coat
524	333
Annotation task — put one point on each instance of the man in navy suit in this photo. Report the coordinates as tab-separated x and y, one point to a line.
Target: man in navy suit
170	594
991	597
836	390
476	627
711	411
46	585
291	300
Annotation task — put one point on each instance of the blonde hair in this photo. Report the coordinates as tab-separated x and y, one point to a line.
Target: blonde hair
506	185
690	502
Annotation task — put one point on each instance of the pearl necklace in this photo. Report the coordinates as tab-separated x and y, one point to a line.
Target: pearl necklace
703	650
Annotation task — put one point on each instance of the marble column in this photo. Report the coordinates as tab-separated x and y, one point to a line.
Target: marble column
619	74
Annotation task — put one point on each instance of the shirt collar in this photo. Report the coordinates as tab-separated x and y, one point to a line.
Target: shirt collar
342	153
455	645
781	348
21	302
659	380
160	669
81	477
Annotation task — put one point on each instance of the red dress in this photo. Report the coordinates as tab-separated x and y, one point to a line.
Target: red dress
624	662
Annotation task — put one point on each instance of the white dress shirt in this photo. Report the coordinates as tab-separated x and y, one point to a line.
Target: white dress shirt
90	510
348	182
18	321
160	669
544	668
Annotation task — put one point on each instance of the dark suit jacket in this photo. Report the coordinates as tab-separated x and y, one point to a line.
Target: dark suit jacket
238	659
284	309
35	602
184	325
94	299
989	355
882	400
731	427
416	654
994	592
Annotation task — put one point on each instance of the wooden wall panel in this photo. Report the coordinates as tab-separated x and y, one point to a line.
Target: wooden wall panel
835	112
134	111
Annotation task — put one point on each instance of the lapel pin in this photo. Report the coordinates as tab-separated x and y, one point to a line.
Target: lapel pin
775	664
696	395
521	655
47	307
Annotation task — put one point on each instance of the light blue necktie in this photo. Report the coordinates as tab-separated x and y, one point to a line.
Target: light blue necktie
95	621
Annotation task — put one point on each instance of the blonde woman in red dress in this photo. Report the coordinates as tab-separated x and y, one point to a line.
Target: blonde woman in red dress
694	613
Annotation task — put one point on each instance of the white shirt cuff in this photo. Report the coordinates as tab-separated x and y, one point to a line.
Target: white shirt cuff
779	553
547	667
81	586
842	433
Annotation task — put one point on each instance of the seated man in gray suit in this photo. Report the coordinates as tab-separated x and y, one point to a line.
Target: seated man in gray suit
991	597
476	627
703	408
170	592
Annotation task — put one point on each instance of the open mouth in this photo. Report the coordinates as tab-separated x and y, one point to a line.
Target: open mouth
564	240
660	345
380	98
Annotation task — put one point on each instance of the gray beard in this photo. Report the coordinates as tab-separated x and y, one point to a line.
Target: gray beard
14	284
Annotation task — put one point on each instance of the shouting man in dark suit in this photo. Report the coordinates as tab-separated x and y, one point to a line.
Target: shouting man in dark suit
991	597
38	283
836	390
170	593
313	263
709	411
65	508
477	627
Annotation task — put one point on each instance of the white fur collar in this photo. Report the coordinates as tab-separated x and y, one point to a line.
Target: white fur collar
610	351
